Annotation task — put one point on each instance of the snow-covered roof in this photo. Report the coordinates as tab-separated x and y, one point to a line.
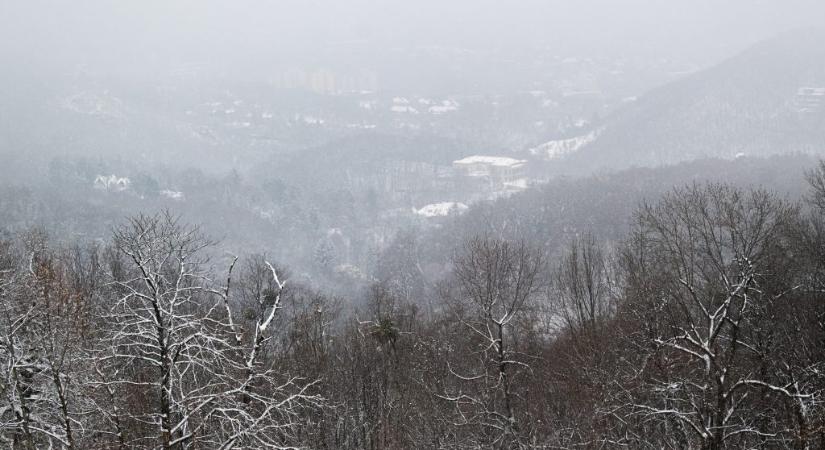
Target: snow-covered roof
403	109
498	161
813	91
441	209
444	107
112	182
174	195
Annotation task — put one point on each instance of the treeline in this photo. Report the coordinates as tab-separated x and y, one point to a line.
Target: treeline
703	328
319	235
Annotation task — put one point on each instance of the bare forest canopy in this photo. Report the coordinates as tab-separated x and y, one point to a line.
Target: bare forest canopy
469	224
700	327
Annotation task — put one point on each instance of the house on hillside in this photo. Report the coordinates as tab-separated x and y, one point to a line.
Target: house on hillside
500	172
810	100
112	183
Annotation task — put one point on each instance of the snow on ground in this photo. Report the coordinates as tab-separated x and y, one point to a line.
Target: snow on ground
499	161
173	195
309	120
441	209
810	99
403	109
581	93
550	103
562	147
445	107
102	105
350	271
402	105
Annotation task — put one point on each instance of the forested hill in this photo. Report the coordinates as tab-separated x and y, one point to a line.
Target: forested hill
251	214
768	100
701	328
549	215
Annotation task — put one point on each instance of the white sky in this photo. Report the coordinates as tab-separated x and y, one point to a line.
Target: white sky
111	33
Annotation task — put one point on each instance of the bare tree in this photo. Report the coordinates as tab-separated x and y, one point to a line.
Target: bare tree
45	319
495	281
700	262
20	428
582	287
175	343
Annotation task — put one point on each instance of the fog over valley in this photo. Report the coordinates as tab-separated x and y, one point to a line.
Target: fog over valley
386	225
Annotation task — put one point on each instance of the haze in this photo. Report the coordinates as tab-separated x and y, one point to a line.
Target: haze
421	224
245	39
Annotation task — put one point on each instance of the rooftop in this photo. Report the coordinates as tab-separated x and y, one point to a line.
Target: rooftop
499	161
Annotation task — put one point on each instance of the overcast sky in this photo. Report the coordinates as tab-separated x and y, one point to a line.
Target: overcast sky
111	34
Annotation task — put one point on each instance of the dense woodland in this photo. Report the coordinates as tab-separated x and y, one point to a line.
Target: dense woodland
702	327
415	225
292	221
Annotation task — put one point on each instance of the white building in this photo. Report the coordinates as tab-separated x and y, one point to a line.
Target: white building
112	183
498	169
810	99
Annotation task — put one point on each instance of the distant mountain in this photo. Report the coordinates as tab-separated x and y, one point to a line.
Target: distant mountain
767	100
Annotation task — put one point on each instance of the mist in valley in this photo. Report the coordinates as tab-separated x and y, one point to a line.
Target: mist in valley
436	224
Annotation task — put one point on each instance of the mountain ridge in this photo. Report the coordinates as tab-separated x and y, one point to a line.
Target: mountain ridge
753	104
